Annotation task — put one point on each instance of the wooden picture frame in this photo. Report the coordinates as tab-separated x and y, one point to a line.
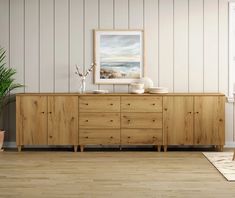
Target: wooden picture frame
118	56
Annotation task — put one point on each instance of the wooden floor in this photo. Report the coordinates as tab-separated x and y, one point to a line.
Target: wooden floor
110	174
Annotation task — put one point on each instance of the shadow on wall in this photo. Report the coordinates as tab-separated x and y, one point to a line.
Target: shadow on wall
8	119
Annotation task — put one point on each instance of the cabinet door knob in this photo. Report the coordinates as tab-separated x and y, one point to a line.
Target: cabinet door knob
153	104
50	136
129	104
220	120
153	120
50	112
111	137
128	137
86	120
86	137
42	112
189	112
165	109
128	120
111	120
111	104
86	104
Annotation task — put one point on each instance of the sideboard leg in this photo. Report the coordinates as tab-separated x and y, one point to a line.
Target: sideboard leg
75	147
221	148
159	148
81	148
165	148
19	148
120	148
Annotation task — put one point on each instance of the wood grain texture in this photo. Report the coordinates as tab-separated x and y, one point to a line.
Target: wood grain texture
178	120
99	136
111	174
99	104
62	120
99	120
209	120
141	104
33	110
141	136
141	120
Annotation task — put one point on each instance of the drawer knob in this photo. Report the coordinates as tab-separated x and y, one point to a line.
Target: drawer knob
86	137
111	137
42	112
153	120
128	137
86	104
197	112
111	120
50	136
128	120
220	120
165	109
153	104
154	137
129	104
111	104
86	120
189	112
50	112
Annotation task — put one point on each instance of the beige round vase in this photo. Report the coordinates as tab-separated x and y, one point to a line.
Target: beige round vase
1	139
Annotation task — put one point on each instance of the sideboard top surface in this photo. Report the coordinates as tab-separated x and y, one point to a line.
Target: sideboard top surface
123	94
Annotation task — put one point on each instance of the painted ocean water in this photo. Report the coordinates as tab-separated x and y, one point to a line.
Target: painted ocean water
124	70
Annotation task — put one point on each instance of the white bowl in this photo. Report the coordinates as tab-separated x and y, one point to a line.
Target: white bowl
137	85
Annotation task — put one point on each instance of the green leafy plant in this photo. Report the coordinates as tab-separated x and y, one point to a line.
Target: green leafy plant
7	81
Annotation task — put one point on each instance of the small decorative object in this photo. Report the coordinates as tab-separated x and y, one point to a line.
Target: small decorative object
83	77
147	83
100	91
118	56
137	88
158	90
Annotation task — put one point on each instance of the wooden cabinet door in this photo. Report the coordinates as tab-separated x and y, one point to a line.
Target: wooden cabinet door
33	110
209	120
178	120
63	120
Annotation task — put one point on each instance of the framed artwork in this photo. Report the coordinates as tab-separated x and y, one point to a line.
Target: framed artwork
118	55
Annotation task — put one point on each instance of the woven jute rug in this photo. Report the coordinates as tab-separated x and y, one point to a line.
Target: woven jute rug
223	162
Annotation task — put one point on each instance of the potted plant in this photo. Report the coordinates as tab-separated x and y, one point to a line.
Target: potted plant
7	84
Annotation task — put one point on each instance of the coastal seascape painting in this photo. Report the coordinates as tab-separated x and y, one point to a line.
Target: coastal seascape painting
118	56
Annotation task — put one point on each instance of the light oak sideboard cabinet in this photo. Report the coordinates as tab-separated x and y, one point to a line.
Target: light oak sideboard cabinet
120	119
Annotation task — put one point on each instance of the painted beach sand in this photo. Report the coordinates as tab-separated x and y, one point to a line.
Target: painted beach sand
120	56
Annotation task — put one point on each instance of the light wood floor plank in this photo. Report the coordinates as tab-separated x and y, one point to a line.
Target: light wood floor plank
110	174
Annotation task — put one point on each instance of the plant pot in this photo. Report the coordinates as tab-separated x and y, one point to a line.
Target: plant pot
1	139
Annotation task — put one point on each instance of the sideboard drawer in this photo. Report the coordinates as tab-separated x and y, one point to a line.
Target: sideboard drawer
141	104
99	104
141	120
99	120
99	136
141	136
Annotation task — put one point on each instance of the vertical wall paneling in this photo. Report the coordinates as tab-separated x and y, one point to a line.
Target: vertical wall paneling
61	46
17	47
31	45
121	21
196	46
106	22
211	45
181	45
17	54
46	46
136	20
166	44
91	23
223	46
76	42
4	42
136	15
151	39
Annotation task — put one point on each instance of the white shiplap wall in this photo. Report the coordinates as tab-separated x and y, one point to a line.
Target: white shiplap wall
186	44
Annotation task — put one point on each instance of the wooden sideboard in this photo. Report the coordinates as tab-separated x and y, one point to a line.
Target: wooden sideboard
120	119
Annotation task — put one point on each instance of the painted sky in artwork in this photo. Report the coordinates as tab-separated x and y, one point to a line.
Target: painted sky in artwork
120	48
